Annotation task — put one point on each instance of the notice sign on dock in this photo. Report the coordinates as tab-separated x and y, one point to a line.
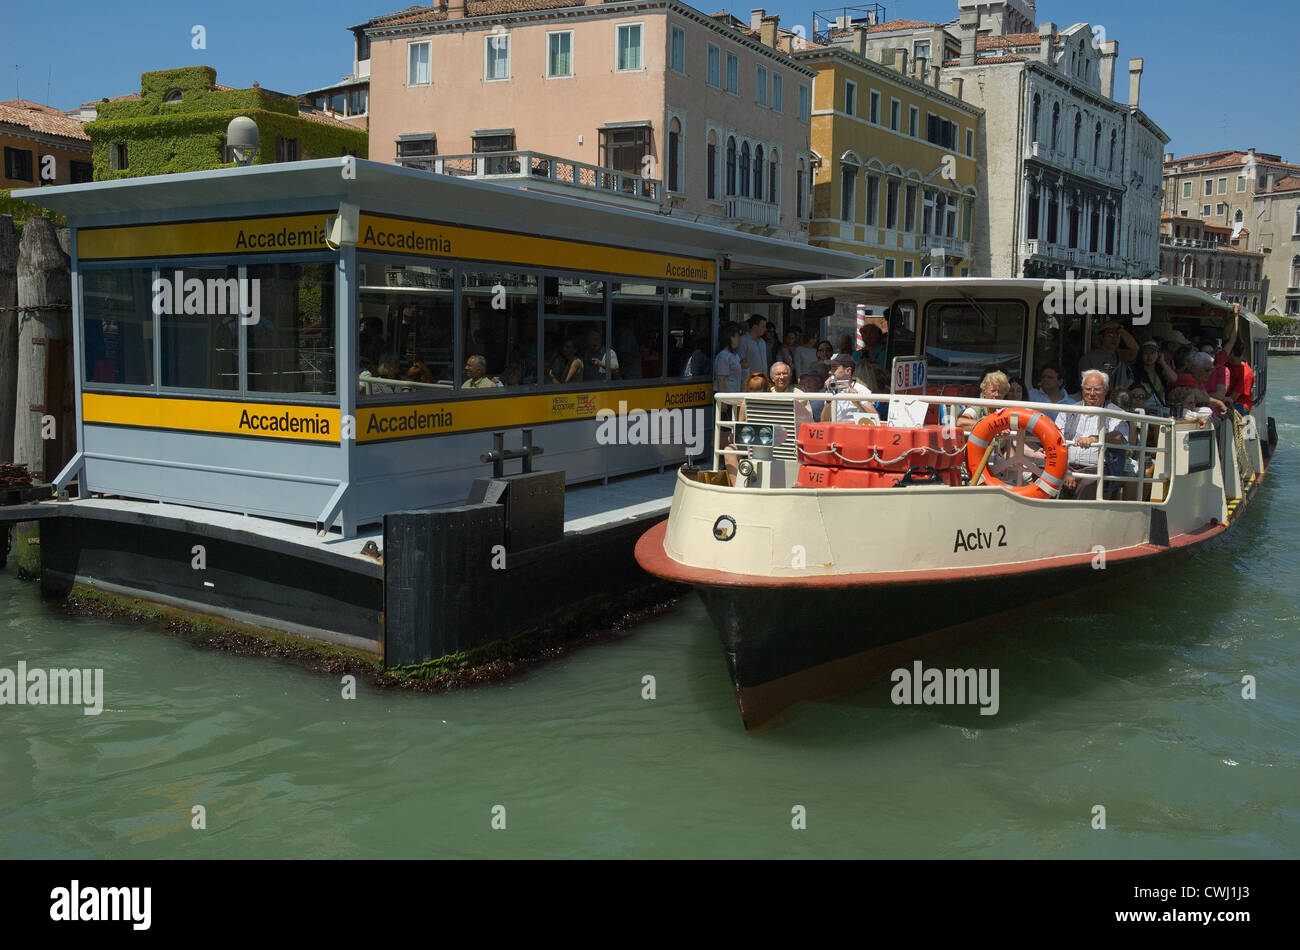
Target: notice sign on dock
909	375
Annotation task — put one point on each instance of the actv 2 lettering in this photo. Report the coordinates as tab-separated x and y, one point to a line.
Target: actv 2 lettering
978	540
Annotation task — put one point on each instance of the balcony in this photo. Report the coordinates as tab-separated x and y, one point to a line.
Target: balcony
951	247
1215	285
551	173
753	211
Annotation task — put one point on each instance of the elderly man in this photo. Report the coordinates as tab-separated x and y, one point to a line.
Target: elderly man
1084	431
782	378
1115	349
476	376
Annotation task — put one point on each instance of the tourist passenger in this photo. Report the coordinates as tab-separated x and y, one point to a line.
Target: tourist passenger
600	362
1017	388
1114	349
814	381
757	383
844	345
994	385
1182	405
824	352
753	348
727	372
873	339
1241	382
842	381
785	352
1153	372
782	378
805	354
1084	432
1051	386
476	376
567	367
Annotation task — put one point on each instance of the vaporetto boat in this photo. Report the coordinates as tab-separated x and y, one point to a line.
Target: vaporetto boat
817	587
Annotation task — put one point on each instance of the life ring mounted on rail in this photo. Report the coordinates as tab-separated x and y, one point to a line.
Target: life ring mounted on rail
1055	457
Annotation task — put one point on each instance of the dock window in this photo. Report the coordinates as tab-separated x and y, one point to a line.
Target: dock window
200	339
406	315
499	322
690	316
964	340
638	325
117	325
574	313
291	346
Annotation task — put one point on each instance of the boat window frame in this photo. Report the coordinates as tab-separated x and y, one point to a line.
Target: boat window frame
923	331
1209	436
891	351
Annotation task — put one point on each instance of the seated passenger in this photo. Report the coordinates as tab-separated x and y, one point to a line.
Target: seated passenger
1051	386
813	381
842	381
1183	401
782	378
476	376
1082	434
1018	390
994	385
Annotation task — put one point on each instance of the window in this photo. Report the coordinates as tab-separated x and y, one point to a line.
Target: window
714	60
909	208
1096	145
895	111
850	97
778	93
1223	186
117	325
625	149
173	95
1033	117
1295	271
873	199
970	142
1033	207
202	352
964	333
82	172
338	103
1297	221
677	50
1209	186
908	268
363	47
407	322
921	49
711	167
744	169
1187	189
637	321
629	47
913	120
891	204
358	102
690	315
733	73
675	155
940	131
496	57
1205	211
1056	124
18	164
1110	162
758	172
117	157
1241	183
1078	130
967	214
773	177
731	165
760	85
1221	208
805	103
417	151
559	54
798	190
875	107
291	348
889	267
848	183
503	336
417	64
286	150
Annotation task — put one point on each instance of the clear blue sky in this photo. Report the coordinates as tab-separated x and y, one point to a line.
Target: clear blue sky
1218	74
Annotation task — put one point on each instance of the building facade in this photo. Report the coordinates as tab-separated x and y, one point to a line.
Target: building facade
1220	187
896	163
41	146
1277	216
348	99
177	123
646	103
1212	258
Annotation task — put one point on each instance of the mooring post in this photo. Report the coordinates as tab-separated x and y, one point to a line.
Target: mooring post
8	335
44	295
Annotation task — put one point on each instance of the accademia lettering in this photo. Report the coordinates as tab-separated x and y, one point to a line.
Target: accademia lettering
410	241
414	421
302	237
285	422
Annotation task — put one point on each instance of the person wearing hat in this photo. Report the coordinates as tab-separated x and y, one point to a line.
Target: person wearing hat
1172	341
813	380
1115	348
842	381
1152	373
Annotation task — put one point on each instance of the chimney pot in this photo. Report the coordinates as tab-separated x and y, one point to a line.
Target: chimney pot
900	59
1109	51
1046	43
770	30
1134	81
756	18
455	9
969	25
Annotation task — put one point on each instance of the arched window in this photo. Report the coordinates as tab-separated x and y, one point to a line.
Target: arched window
1110	164
1083	61
773	177
173	95
1056	123
1297	221
711	166
1096	145
798	190
674	155
758	172
1078	130
1237	217
731	164
1295	271
1033	116
744	169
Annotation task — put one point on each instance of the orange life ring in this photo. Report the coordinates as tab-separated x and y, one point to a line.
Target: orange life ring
1056	460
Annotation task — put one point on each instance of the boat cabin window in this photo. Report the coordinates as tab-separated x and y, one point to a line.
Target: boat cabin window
966	339
901	339
407	328
1058	340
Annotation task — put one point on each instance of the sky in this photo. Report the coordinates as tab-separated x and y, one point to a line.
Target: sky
1217	74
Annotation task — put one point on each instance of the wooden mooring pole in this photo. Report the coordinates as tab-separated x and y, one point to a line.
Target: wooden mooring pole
44	326
8	335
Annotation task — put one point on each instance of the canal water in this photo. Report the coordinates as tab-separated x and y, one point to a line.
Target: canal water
1135	706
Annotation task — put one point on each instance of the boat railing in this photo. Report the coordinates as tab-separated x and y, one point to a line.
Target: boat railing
1143	430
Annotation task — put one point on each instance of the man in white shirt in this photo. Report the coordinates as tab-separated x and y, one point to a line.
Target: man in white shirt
753	348
1051	387
1085	432
842	381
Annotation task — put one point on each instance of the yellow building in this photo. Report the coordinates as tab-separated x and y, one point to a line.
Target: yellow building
897	172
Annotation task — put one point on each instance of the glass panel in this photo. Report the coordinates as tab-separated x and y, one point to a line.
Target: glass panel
407	329
291	346
690	317
200	342
1058	340
966	340
638	322
117	324
499	323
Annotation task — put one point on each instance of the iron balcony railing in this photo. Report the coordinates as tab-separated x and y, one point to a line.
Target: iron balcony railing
538	166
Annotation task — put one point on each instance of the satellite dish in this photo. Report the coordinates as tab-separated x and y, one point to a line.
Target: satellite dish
242	139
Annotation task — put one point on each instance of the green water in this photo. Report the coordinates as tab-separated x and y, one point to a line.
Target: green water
1136	707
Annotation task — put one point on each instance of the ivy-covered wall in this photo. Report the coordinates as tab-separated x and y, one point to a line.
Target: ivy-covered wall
21	211
167	137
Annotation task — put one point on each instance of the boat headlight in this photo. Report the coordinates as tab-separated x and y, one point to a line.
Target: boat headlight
746	435
764	435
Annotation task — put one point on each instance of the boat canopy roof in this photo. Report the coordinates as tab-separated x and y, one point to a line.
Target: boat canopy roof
882	292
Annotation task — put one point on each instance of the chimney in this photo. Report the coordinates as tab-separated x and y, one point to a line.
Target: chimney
954	87
455	9
969	26
1134	81
756	19
1109	51
769	30
859	44
900	59
1046	43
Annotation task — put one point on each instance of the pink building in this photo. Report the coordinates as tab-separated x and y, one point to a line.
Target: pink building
643	103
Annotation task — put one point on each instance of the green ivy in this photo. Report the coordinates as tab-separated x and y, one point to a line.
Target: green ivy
21	211
197	95
1280	326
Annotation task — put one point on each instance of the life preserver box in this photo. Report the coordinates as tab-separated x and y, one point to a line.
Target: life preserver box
878	448
1055	457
